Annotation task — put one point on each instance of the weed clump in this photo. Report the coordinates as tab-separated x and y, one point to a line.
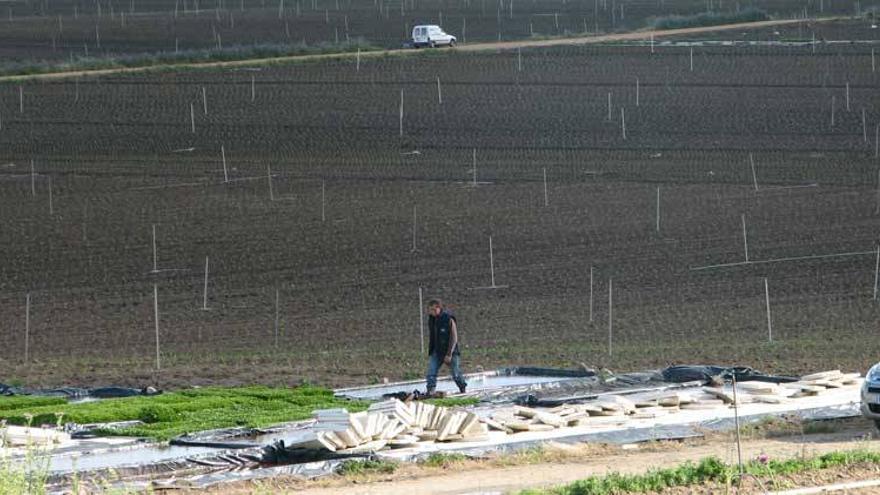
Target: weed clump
443	459
361	467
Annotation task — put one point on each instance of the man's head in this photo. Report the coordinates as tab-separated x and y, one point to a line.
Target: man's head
435	307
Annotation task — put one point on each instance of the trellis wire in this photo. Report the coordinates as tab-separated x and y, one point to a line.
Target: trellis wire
781	260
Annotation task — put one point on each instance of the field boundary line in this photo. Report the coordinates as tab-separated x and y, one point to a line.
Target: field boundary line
476	47
779	260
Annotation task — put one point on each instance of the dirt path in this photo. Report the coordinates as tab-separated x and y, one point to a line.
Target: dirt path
506	479
506	45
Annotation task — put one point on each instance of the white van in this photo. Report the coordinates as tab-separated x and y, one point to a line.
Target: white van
431	35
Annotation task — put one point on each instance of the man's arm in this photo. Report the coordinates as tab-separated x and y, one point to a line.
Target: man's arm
453	341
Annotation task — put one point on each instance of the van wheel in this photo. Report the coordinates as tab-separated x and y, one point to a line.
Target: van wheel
877	423
451	43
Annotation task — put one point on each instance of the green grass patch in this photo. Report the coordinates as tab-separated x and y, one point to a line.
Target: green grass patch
15	402
708	470
244	52
454	401
443	459
187	411
361	467
750	14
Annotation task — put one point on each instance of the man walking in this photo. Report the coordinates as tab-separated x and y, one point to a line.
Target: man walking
443	346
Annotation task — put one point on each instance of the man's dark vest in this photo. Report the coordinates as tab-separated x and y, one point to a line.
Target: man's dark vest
440	331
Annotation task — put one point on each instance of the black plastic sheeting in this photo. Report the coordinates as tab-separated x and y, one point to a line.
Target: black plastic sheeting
619	436
183	442
592	387
532	400
79	393
279	453
555	372
709	373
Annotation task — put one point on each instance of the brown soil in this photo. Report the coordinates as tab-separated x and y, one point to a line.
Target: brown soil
473	47
332	241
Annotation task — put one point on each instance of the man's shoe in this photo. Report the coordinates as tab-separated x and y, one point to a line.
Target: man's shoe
462	388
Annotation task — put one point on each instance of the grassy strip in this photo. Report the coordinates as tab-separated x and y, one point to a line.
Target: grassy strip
260	51
14	402
708	470
443	459
175	413
454	401
358	467
750	14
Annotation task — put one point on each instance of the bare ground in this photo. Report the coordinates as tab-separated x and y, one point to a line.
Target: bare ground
560	464
473	47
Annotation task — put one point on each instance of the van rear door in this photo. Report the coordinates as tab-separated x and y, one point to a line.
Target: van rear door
419	34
